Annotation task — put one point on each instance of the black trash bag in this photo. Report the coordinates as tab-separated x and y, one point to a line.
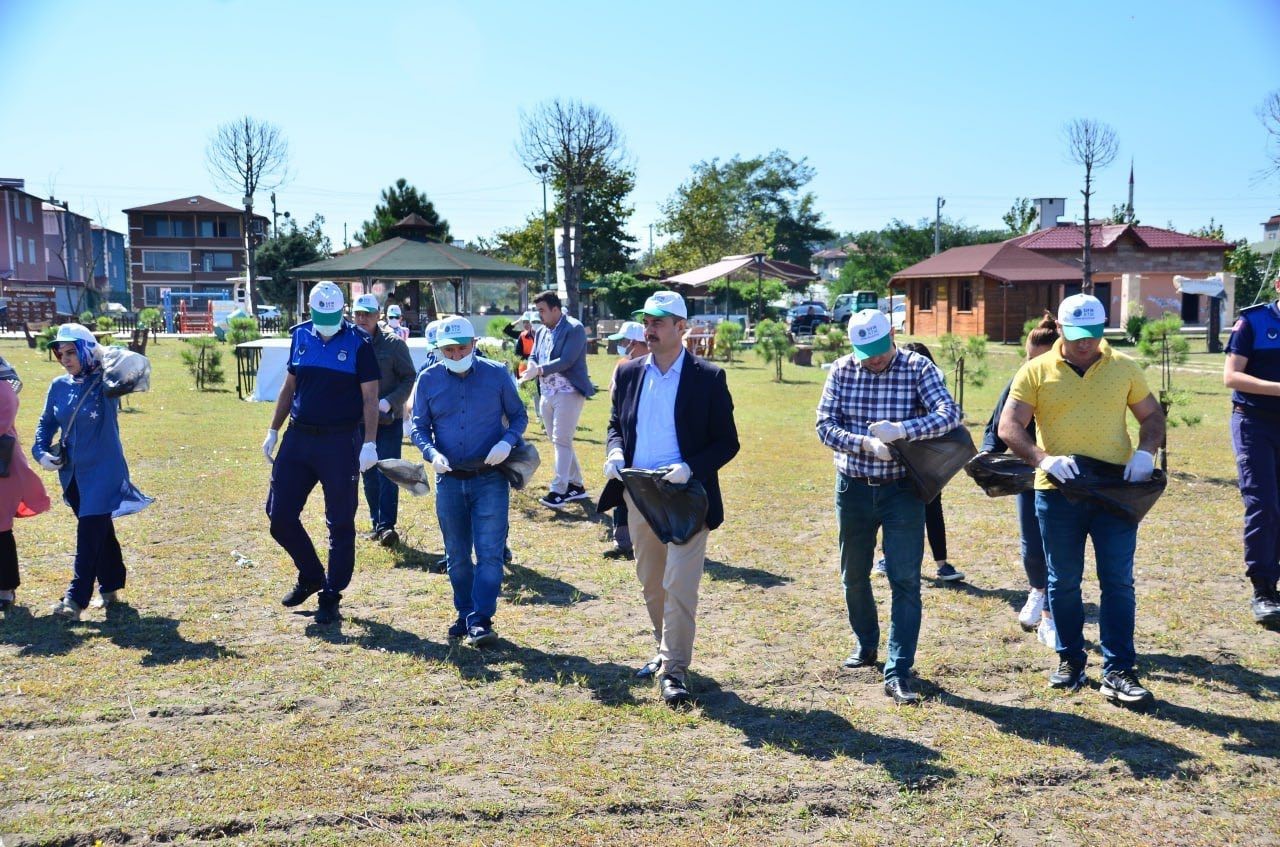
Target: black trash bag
521	465
932	462
408	475
124	372
1001	474
674	512
1104	483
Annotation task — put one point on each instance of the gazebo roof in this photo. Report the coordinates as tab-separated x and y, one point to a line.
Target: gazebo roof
696	282
408	258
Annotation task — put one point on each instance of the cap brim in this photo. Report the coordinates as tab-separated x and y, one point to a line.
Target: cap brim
1076	333
617	337
875	348
656	313
326	318
445	342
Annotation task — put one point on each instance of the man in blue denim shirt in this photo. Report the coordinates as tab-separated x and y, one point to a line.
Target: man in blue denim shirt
876	395
467	415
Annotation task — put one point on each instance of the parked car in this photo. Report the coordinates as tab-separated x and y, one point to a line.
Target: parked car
899	316
266	312
802	319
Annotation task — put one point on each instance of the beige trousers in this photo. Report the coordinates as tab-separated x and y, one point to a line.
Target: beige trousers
669	577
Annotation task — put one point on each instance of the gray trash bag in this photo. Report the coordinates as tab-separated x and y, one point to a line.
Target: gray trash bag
674	512
408	475
1001	474
1104	484
124	372
521	465
932	462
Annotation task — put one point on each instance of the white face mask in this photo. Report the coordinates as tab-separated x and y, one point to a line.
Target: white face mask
458	366
394	323
327	331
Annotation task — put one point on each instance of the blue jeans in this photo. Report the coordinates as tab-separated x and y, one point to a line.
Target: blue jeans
381	494
473	516
862	510
1065	527
1032	544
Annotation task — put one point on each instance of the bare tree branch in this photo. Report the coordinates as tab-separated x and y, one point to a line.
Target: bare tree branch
1269	114
1094	145
246	155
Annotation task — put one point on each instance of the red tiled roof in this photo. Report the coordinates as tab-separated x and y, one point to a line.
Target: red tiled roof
194	203
1002	261
1274	219
1071	237
832	253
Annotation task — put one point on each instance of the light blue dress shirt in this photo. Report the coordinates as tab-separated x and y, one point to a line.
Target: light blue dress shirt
464	416
656	444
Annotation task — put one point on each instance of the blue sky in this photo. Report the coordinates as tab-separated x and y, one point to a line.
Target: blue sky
111	105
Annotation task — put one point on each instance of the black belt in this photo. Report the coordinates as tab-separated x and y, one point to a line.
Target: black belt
471	474
875	481
308	429
1257	414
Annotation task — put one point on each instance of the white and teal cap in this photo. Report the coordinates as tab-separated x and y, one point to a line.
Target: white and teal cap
1082	316
454	330
662	304
629	331
366	303
870	333
430	333
326	302
393	311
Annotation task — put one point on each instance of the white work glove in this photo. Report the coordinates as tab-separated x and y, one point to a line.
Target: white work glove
50	462
532	371
613	465
384	406
268	445
440	464
876	448
368	456
1140	467
1062	467
498	453
678	474
887	431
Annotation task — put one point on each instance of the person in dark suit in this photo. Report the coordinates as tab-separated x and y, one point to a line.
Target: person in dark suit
671	410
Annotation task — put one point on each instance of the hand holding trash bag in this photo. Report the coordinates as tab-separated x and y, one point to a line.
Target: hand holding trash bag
1061	467
613	465
877	448
498	453
1140	467
887	431
678	474
440	464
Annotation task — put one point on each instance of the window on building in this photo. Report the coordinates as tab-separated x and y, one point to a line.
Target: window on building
926	296
31	251
166	226
964	297
218	262
30	214
223	227
166	261
20	259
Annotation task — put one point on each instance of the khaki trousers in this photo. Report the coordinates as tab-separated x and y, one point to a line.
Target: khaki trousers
669	577
560	413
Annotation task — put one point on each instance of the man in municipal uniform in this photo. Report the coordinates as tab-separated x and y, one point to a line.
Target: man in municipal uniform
1252	372
874	396
671	410
330	396
395	367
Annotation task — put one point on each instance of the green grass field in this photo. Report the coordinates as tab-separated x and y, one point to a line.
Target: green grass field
203	711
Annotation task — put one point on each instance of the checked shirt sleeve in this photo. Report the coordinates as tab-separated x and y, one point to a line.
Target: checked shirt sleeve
835	429
943	415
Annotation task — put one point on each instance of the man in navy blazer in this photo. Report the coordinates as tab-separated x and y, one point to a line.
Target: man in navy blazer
671	410
559	362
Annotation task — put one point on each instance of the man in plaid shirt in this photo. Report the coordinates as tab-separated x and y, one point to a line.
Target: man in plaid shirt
877	395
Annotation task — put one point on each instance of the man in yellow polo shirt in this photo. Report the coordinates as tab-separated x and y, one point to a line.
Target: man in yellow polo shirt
1078	393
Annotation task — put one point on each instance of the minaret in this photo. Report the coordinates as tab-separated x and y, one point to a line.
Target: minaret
1128	210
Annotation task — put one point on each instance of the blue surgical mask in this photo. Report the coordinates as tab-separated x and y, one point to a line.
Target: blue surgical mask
458	366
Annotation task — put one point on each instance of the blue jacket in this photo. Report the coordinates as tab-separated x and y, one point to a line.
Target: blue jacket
93	457
568	351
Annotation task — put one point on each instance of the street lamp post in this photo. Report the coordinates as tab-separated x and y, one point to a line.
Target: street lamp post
546	248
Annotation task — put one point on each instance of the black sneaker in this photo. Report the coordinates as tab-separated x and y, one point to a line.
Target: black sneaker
327	610
480	636
576	492
1266	606
301	591
619	553
947	573
389	537
457	631
1122	687
1068	675
507	556
440	565
554	500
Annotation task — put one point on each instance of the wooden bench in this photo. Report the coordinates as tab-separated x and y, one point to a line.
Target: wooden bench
604	329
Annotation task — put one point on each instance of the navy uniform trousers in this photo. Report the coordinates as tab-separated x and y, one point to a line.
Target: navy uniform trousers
308	456
1257	445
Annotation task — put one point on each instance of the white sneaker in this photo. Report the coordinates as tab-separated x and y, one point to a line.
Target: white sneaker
66	609
104	599
1047	633
880	567
1032	609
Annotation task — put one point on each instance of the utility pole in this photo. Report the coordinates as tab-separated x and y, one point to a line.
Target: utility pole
546	245
275	223
650	242
345	244
937	226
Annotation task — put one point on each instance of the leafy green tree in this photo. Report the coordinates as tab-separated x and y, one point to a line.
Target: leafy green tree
240	330
204	360
831	342
1249	268
292	248
743	206
746	294
773	345
399	201
624	293
1020	217
728	338
899	245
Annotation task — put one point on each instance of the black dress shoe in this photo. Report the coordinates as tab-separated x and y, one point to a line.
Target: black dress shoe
327	611
649	668
902	691
1266	606
674	693
858	659
301	591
